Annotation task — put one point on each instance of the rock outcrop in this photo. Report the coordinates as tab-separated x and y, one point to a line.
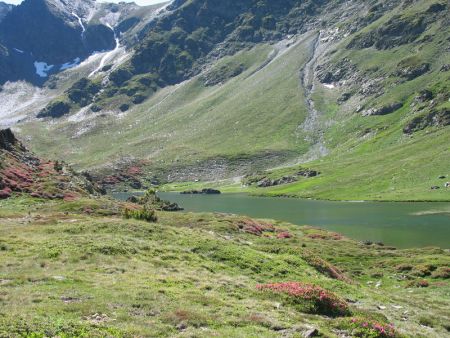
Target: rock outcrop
388	109
437	118
207	191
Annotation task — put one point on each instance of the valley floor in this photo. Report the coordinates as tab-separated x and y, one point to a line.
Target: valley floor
79	269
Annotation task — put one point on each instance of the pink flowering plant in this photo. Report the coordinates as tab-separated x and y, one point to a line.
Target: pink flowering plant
311	298
363	327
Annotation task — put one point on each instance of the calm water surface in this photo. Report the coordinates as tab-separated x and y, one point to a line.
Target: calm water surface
403	225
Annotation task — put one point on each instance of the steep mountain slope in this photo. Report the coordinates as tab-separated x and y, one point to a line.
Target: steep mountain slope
4	9
21	172
44	37
214	90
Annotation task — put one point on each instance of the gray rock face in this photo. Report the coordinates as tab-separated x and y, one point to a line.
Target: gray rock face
437	118
7	139
52	32
4	9
383	110
424	96
412	72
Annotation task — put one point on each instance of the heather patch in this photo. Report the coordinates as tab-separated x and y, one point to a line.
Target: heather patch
363	327
309	297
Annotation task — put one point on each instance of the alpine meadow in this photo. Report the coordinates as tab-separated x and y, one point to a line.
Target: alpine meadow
225	168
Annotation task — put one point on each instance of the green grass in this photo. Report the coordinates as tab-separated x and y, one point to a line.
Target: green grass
191	121
253	121
87	275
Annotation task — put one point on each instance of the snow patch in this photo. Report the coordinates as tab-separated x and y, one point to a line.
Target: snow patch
42	68
111	19
329	85
69	65
81	115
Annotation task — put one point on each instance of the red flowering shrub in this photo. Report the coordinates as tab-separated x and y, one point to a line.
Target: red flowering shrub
312	298
255	228
284	235
70	196
326	236
363	327
5	193
111	180
423	284
134	171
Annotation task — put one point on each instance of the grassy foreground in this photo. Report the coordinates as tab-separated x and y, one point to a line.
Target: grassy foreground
78	269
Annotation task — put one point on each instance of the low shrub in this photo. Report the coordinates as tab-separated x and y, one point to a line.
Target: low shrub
324	267
442	272
418	284
284	235
363	327
144	214
255	228
311	298
404	267
423	270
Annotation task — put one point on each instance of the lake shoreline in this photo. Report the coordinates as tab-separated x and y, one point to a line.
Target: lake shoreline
281	196
400	224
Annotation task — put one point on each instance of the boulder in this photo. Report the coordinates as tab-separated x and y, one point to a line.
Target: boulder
412	72
445	68
308	173
311	333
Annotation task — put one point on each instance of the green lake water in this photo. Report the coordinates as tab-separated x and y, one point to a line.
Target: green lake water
399	224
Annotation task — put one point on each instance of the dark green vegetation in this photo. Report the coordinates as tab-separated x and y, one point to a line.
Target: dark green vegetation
78	96
80	269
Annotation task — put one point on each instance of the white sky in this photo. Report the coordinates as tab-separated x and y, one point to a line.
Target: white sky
139	2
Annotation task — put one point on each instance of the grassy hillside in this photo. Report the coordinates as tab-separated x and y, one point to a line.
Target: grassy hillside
370	92
79	269
193	121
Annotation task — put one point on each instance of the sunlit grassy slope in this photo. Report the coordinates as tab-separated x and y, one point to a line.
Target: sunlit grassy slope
256	112
77	269
257	117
